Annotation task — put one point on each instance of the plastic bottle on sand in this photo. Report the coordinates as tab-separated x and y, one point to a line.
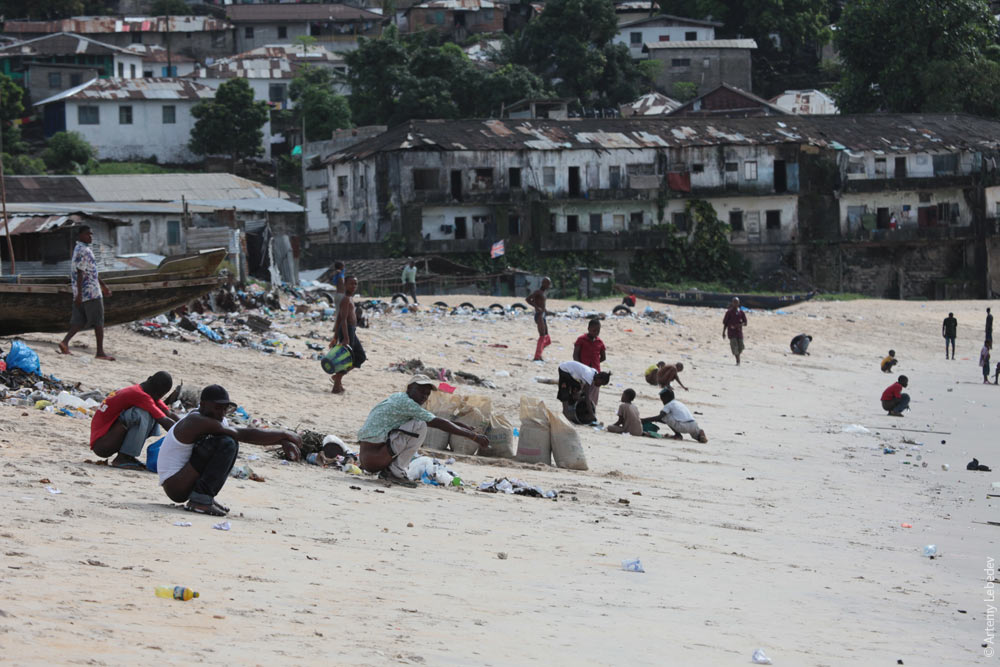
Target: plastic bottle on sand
175	592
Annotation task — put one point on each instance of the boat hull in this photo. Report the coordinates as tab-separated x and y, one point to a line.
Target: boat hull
716	299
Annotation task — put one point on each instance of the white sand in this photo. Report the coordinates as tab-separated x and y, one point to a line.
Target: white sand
782	532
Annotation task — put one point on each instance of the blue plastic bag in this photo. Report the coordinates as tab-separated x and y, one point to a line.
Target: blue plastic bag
153	454
23	357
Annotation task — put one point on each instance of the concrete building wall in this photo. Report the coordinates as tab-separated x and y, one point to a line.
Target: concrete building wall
905	205
880	166
149	232
707	68
250	36
447	21
634	37
46	79
197	45
147	135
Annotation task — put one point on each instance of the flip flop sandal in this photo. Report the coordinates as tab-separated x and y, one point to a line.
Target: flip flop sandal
212	511
129	465
220	506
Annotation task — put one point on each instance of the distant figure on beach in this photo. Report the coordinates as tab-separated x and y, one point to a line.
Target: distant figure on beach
732	325
989	326
128	417
537	301
628	416
338	283
949	329
199	451
575	382
589	350
88	295
345	333
662	374
894	401
629	301
396	427
800	344
409	280
888	362
677	416
984	361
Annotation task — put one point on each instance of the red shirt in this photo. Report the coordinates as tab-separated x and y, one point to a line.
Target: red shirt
119	401
894	390
734	321
590	351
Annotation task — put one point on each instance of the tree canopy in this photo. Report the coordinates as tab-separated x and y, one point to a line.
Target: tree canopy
917	55
53	9
230	124
11	109
69	153
323	110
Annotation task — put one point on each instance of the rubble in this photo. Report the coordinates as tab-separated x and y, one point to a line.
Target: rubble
414	366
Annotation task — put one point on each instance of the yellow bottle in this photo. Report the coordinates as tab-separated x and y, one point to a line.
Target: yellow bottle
175	592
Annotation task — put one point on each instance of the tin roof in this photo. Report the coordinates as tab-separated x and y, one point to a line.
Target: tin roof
456	5
60	44
111	24
651	104
41	224
900	133
277	61
668	18
289	13
152	53
134	89
703	44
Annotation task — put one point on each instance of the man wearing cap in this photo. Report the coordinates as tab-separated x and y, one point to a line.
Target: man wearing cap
677	416
396	427
199	451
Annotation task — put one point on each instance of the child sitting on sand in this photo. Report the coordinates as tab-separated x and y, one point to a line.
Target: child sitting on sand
628	416
889	362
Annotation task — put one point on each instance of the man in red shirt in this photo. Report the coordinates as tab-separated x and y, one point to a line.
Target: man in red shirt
589	350
894	401
129	416
732	325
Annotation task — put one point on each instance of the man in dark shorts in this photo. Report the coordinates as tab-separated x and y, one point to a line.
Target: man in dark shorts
732	325
949	329
345	333
537	301
199	451
989	325
575	382
127	417
894	401
88	295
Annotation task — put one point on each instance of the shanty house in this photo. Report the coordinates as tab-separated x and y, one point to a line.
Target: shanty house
458	18
157	62
129	119
43	244
805	102
198	37
729	101
336	27
705	63
663	28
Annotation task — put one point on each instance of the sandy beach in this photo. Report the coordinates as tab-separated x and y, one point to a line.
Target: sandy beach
783	532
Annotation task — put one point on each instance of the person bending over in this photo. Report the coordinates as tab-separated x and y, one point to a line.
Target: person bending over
677	416
894	401
127	417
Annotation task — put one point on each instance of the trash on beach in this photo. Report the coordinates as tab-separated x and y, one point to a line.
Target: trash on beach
945	467
854	428
182	524
906	525
930	550
974	464
443	374
225	525
517	487
760	658
632	565
52	490
431	471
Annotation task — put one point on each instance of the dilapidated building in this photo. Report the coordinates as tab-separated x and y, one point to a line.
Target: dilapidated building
814	192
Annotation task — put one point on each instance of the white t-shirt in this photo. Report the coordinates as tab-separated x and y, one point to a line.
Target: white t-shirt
579	372
677	411
174	454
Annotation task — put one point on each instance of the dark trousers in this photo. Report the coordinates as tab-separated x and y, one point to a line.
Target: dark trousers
897	404
213	457
410	289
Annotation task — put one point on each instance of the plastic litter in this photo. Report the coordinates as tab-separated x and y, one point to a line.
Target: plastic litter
22	357
52	490
854	428
930	550
760	658
517	487
182	524
176	593
225	525
632	565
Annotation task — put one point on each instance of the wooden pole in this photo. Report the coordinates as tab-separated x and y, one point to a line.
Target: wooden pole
6	225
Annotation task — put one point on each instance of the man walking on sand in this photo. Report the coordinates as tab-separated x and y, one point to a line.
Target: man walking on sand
345	333
88	295
409	280
589	350
397	426
989	326
732	325
949	329
537	301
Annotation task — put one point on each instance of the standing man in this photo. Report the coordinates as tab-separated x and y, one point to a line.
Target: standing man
989	326
345	333
410	280
127	417
199	451
88	295
589	350
732	325
338	284
396	427
949	329
537	301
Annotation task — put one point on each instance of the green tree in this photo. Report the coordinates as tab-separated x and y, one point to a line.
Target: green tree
53	9
905	55
22	165
682	91
324	110
230	124
69	153
377	73
11	109
170	8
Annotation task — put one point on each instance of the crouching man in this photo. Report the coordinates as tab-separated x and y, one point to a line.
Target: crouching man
128	417
200	450
396	427
677	416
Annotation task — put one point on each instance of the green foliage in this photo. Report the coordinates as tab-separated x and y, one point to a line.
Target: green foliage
69	153
22	165
394	79
230	124
324	111
53	9
569	45
394	245
305	41
134	168
682	91
560	267
917	55
170	8
11	108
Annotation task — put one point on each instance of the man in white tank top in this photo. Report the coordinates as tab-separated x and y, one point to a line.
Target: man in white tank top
199	451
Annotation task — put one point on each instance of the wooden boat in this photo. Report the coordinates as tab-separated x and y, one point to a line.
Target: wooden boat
715	299
43	303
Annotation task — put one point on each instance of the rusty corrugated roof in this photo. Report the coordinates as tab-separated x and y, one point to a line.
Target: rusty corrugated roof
287	13
40	224
457	5
651	104
110	24
278	61
899	133
134	89
153	53
60	44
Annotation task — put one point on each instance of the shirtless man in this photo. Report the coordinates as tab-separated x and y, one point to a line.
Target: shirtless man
537	301
344	333
199	451
666	373
338	284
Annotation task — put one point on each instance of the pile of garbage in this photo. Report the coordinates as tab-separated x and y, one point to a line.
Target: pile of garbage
443	374
22	384
516	487
433	472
